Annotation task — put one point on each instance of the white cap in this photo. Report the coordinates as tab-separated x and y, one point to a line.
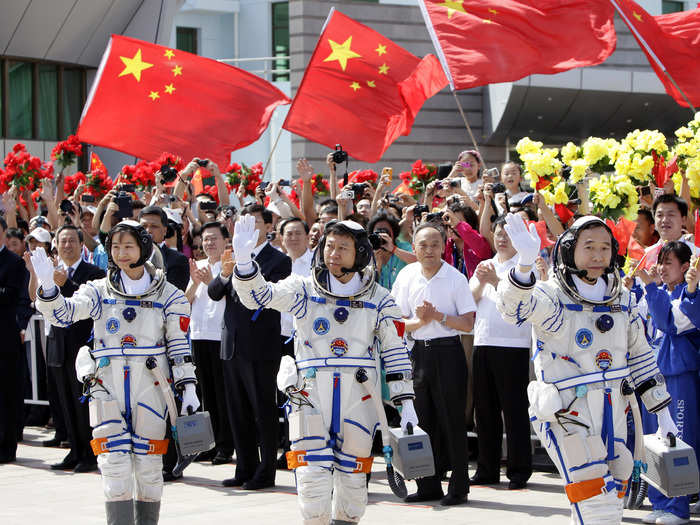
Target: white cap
40	234
174	215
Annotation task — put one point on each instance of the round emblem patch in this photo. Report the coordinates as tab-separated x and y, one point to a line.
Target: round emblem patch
321	326
584	338
340	315
339	347
603	359
128	341
112	325
129	314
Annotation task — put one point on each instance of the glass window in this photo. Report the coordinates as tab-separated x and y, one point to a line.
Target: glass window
280	40
668	6
72	99
186	39
48	102
20	104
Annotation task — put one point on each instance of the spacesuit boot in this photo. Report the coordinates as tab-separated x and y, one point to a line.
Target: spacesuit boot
342	522
147	512
120	512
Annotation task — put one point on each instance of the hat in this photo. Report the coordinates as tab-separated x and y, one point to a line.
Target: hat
173	215
40	234
40	219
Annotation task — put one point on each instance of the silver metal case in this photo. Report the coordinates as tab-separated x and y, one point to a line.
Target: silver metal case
413	453
672	466
194	433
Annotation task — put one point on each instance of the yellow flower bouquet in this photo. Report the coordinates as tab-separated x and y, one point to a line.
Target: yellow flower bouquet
614	196
639	153
541	164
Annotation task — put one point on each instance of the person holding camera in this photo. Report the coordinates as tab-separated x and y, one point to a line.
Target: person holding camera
468	168
390	253
175	264
465	247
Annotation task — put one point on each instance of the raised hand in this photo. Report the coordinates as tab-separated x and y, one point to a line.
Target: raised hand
245	239
43	268
304	170
525	241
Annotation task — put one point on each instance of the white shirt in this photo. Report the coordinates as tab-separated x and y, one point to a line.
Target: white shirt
258	249
472	188
592	292
347	289
300	266
138	286
206	315
72	268
448	291
489	327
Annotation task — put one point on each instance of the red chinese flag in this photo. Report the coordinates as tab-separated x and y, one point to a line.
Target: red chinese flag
361	90
635	250
696	236
542	232
96	163
622	231
487	41
673	42
147	99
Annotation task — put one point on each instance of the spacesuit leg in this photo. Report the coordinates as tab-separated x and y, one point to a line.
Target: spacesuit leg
314	488
349	496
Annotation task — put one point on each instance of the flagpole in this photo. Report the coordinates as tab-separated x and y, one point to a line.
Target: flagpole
272	151
651	53
466	123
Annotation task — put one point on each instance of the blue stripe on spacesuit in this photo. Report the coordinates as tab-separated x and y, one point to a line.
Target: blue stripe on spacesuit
335	417
263	298
607	432
597	309
309	438
343	302
585	465
106	423
553	439
298	309
151	409
649	369
127	398
553	318
643	356
358	425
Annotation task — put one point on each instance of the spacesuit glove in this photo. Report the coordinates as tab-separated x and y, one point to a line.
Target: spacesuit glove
287	375
526	242
666	423
43	268
189	399
408	414
245	239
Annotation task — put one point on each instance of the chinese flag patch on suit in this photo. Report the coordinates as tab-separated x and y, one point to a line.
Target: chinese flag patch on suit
147	99
361	90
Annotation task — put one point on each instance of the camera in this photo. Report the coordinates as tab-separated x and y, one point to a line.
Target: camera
443	170
499	187
358	188
202	162
207	205
454	183
419	210
86	197
375	240
270	236
491	175
127	188
66	207
339	156
228	211
168	173
126	208
435	217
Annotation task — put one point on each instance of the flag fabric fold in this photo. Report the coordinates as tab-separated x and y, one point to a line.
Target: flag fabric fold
482	42
147	99
361	90
669	41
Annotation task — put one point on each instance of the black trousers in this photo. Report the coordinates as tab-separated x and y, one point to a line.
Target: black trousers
251	396
210	378
76	416
501	376
10	393
440	384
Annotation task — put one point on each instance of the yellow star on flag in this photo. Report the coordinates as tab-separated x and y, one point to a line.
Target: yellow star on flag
493	11
453	6
169	53
637	16
154	95
355	86
177	70
341	52
488	21
380	49
169	89
383	69
371	83
134	66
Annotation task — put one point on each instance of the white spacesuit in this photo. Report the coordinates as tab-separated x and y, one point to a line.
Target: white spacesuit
337	341
128	412
583	350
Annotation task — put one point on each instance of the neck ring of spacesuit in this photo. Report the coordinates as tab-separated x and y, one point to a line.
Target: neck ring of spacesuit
364	265
565	265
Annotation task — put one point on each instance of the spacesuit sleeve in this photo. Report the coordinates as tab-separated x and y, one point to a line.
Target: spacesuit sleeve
85	303
531	302
288	295
176	311
646	376
668	314
393	352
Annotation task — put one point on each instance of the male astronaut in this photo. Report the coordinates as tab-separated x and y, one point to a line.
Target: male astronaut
139	318
588	339
345	324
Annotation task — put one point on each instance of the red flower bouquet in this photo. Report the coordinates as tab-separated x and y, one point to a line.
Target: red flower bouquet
71	182
420	176
250	177
23	170
98	184
319	186
65	153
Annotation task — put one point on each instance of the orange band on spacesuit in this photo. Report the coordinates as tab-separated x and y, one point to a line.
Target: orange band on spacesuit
99	446
295	458
158	446
364	465
621	492
584	490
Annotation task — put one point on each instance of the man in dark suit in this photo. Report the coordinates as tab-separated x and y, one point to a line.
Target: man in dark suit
251	349
175	264
12	277
62	347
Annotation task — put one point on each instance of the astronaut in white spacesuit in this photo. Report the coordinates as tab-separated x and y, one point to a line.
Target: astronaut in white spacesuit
345	325
138	317
588	339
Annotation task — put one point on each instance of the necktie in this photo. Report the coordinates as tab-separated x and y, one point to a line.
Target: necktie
70	272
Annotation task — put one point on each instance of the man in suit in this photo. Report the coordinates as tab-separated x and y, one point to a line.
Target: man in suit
251	349
177	269
12	277
62	348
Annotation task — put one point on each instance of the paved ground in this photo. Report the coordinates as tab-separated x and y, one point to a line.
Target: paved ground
31	493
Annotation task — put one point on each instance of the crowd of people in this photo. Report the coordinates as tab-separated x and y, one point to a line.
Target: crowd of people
453	258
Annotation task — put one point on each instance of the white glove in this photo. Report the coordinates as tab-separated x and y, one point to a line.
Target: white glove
189	399
287	375
526	242
544	399
43	268
84	364
408	414
666	424
245	239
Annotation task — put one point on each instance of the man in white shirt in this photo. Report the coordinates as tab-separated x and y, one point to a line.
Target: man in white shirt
501	373
670	214
205	325
436	301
